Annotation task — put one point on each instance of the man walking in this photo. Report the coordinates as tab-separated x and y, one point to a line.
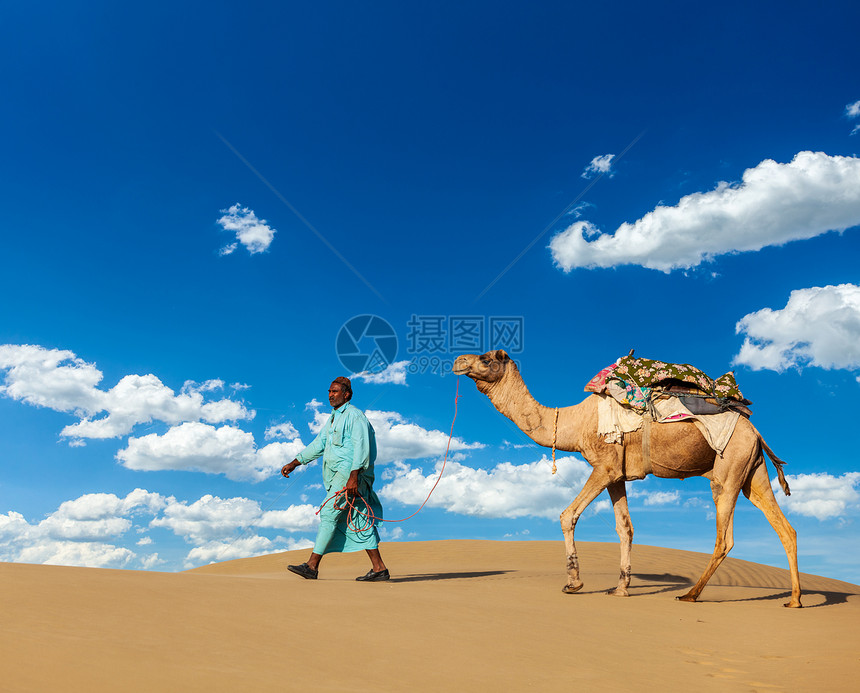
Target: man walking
347	444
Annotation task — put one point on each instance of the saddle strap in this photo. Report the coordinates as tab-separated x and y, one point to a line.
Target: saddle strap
646	439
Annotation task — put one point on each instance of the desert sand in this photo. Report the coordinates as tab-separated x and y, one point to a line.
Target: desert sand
457	615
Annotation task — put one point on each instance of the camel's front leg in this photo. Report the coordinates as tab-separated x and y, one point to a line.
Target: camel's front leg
592	489
624	528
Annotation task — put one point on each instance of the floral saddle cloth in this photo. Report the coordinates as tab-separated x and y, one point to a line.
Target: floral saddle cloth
636	382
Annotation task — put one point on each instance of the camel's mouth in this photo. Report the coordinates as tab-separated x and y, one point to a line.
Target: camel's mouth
461	366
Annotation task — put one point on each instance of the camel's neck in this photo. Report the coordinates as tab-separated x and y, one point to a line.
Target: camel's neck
513	399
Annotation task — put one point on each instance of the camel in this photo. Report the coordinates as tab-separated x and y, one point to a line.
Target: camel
674	450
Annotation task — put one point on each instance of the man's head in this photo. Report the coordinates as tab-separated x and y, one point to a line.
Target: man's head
340	391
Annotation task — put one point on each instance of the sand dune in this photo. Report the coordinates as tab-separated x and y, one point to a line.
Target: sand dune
484	616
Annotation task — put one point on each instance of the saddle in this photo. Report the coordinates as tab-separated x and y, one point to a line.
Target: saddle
636	383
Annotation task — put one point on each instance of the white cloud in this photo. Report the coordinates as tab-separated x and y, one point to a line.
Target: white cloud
819	326
253	233
195	446
577	211
662	498
397	438
516	446
98	516
77	533
515	535
213	551
393	534
213	519
284	430
149	562
652	497
773	204
86	554
507	490
852	110
59	380
51	378
219	527
296	518
822	495
244	547
14	525
599	165
320	416
85	531
95	506
142	398
394	374
208	519
206	386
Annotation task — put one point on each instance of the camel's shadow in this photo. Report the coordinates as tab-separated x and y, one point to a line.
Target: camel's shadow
830	598
674	582
679	581
664	577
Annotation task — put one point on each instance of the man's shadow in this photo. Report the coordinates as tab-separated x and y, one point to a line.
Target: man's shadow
449	576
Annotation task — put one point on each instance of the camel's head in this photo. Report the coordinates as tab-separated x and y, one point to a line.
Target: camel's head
484	369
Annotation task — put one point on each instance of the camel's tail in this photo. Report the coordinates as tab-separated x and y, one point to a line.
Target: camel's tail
778	463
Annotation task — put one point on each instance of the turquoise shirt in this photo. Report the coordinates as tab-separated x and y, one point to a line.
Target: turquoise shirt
346	442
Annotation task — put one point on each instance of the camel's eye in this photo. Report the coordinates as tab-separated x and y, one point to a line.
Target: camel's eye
486	362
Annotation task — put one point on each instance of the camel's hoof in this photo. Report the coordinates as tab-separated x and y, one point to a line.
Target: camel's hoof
571	589
793	605
685	598
615	592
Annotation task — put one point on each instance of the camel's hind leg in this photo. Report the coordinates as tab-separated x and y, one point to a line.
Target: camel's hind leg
758	490
624	528
592	489
725	498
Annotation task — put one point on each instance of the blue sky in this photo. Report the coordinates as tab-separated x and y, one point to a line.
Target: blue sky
197	198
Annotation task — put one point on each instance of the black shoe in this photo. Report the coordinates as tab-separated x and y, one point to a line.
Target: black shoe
374	576
304	570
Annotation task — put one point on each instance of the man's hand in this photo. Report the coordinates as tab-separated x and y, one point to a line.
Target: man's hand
352	482
289	468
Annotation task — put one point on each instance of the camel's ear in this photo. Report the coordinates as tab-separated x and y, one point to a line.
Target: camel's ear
502	355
